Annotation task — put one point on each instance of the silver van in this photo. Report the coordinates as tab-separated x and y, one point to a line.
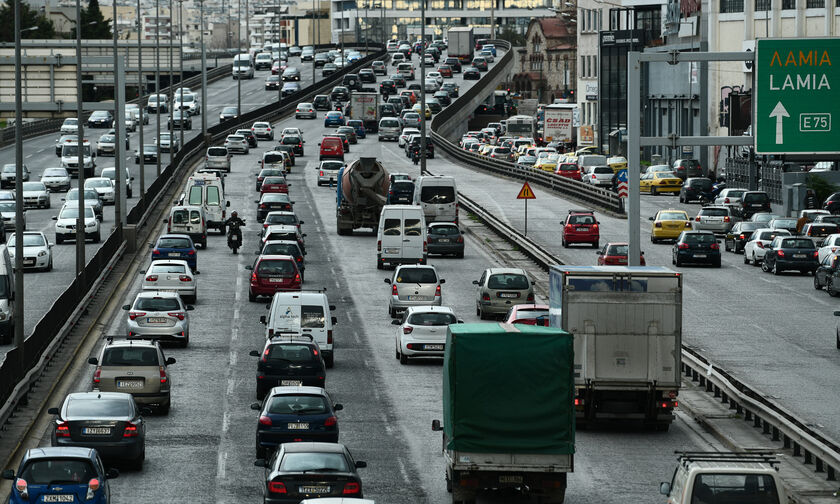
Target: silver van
438	197
189	220
243	67
389	128
303	313
401	236
206	190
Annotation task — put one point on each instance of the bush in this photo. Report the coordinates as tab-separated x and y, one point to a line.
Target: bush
821	187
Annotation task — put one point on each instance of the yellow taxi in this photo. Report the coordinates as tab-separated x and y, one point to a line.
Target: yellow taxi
416	108
547	163
617	163
668	224
660	182
485	149
591	149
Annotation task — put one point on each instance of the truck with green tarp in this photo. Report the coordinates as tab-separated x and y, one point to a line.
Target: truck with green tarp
508	410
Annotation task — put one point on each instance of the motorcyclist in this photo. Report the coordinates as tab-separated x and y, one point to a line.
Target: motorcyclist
415	154
233	224
234	220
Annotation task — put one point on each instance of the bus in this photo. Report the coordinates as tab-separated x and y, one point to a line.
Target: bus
522	126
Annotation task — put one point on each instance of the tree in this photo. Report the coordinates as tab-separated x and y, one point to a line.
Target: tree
510	34
42	27
94	25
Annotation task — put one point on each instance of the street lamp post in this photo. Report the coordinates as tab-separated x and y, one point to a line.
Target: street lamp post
181	58
203	77
18	315
422	87
119	127
239	51
140	106
342	33
80	137
313	37
157	83
171	126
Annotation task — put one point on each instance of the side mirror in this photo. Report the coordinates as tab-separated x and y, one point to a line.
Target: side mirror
387	280
227	204
9	474
319	143
54	217
301	222
332	307
165	221
361	464
112	474
442	280
190	307
256	201
254	353
475	282
262	319
146	411
436	426
126	307
260	463
460	321
53	411
256	406
334	320
257	252
94	361
650	218
170	361
396	322
249	267
665	488
837	313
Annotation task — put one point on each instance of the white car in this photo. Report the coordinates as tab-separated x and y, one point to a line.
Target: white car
8	215
237	143
168	142
305	110
730	196
406	134
56	179
292	131
422	331
35	195
37	250
171	275
328	171
133	108
830	245
104	187
159	315
65	224
70	126
436	76
9	174
262	130
598	175
188	103
755	249
111	173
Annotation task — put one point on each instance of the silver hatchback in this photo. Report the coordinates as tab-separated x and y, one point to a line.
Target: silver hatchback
414	285
159	315
717	219
501	288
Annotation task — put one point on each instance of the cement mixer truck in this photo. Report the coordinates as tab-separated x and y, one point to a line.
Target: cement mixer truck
362	192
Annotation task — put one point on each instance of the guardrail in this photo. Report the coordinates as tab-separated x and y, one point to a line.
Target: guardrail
442	126
16	379
775	421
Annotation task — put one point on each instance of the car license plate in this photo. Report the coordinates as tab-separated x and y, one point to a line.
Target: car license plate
174	254
417	298
508	294
507	478
156	320
275	280
392	251
583	228
99	431
298	426
58	498
28	262
444	240
290	383
756	205
129	384
234	238
700	256
799	256
432	347
314	489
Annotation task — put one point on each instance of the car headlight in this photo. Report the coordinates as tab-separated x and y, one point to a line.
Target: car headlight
42	253
91	225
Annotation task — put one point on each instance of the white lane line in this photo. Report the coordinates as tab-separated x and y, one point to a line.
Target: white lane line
221	462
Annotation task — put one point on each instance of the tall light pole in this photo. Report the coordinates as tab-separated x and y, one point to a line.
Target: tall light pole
342	32
119	127
203	77
180	58
239	51
422	87
171	126
18	314
157	82
80	219
247	29
313	39
140	106
493	19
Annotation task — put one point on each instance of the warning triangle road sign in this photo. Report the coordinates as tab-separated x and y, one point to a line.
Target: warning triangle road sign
526	192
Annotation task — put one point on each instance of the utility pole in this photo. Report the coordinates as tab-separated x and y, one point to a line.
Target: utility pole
247	29
493	19
422	87
313	37
143	113
80	219
18	313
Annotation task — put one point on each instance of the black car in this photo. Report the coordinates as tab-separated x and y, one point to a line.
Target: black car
270	202
687	168
443	98
340	94
832	203
149	154
698	247
399	80
322	102
367	75
110	422
249	135
451	88
272	82
824	275
471	73
329	69
287	148
291	361
387	110
387	87
180	119
300	471
321	59
434	106
401	192
352	81
229	113
100	119
295	141
295	414
445	238
739	235
414	144
455	63
790	253
754	202
693	188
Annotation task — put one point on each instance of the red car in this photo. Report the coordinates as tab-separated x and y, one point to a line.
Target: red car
531	314
332	147
569	170
274	184
445	71
581	227
273	273
615	254
277	68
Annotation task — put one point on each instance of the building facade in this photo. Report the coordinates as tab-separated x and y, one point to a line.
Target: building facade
590	21
547	65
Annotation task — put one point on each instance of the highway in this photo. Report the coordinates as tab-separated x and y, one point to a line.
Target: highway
42	288
209	434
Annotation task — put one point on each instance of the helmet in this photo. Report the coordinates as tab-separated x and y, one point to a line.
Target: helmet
234	214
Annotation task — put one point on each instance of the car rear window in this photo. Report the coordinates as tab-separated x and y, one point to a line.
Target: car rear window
274	180
273	158
157	304
699	238
735	194
298	405
290	352
276	267
437	194
617	250
602	169
287	219
568	167
581	219
431	319
312	316
797	243
756	198
402	186
174	243
96	408
313	461
444	230
784	222
672	216
822	229
417	275
288	249
195	195
180	216
57	470
412	227
168	268
702	184
714	212
130	356
508	281
391	227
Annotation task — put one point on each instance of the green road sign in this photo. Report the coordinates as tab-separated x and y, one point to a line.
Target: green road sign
797	96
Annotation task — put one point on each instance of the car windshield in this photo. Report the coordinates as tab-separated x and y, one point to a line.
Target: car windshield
70	150
73	213
98	183
431	319
508	281
34	186
803	243
298	405
107	139
313	461
7	207
168	268
97	408
699	238
55	172
157	304
130	356
291	353
29	240
229	110
57	471
276	267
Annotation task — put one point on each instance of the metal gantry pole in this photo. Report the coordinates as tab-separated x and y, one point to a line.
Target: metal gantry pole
634	89
17	320
279	73
422	87
171	126
313	39
203	78
143	113
120	133
239	51
181	58
157	83
247	29
80	220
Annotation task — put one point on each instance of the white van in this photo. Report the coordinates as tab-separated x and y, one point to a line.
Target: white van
243	66
7	297
188	220
302	313
401	236
438	197
207	191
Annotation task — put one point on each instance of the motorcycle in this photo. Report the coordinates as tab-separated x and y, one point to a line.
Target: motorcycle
707	198
234	236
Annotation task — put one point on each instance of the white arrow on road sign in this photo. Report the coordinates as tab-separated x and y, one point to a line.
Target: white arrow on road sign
779	112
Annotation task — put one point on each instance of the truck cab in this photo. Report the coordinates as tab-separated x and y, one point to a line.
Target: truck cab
718	477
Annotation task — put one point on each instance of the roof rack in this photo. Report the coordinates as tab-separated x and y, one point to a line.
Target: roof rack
766	457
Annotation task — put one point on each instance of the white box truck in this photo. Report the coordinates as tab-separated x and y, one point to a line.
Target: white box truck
558	123
627	327
461	44
365	107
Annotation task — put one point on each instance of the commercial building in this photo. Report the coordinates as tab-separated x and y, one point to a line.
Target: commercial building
547	64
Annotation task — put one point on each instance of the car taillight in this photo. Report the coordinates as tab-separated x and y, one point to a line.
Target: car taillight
184	278
741	236
263	206
460	239
133	315
297	277
152	278
485	297
276	487
163	377
178	315
683	246
394	291
726	200
726	219
130	430
424	246
351	488
759	244
254	277
780	253
62	429
331	421
715	246
264	420
321	173
155	252
816	254
97	374
20	486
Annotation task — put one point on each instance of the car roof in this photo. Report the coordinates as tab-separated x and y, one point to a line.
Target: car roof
280	228
157	294
429	309
276	257
173	235
59	452
98	395
123	342
497	271
160	262
286	390
303	447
